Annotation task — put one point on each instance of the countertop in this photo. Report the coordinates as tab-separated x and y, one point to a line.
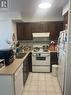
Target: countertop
53	51
12	68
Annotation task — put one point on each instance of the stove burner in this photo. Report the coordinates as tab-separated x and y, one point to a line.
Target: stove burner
36	49
40	48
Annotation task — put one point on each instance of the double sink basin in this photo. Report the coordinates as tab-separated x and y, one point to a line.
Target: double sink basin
20	55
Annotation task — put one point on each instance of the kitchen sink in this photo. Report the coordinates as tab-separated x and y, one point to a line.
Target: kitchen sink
20	55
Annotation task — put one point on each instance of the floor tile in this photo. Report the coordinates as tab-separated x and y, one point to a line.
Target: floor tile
25	93
41	88
33	88
58	93
51	93
34	83
32	93
50	88
42	93
26	88
42	84
34	79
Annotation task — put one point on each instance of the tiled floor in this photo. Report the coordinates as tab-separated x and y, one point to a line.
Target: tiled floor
41	84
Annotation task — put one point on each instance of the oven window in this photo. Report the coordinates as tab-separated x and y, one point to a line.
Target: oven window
40	58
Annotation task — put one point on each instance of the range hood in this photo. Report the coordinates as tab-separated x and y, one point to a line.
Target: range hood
41	34
41	37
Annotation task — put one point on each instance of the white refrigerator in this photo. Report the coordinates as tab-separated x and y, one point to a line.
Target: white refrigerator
62	46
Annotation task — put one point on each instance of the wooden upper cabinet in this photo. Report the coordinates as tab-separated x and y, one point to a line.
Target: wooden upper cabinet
51	29
20	32
25	30
58	28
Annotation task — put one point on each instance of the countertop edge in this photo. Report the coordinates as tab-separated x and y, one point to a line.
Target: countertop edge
5	71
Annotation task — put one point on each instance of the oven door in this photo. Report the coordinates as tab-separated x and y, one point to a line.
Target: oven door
40	59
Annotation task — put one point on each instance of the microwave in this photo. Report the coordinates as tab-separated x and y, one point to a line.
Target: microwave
7	55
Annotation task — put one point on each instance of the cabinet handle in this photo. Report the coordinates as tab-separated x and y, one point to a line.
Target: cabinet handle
22	69
57	54
48	55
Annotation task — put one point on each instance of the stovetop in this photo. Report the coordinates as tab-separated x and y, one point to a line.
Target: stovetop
40	51
40	48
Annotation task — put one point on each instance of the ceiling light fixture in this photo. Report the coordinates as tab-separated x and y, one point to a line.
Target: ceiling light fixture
44	5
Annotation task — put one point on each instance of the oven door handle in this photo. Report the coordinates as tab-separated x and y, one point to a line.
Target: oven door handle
48	55
33	55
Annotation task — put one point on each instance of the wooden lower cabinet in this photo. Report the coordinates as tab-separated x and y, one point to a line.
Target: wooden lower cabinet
7	86
30	62
12	84
53	59
25	70
27	67
19	81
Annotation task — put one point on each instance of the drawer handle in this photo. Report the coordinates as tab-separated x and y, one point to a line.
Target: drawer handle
48	55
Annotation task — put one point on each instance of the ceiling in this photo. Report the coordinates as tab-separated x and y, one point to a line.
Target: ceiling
29	8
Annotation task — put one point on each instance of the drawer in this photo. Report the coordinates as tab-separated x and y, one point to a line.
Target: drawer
40	68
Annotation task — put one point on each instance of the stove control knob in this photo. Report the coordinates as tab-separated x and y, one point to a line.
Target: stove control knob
39	54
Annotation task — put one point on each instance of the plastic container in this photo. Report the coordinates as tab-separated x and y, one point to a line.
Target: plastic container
54	70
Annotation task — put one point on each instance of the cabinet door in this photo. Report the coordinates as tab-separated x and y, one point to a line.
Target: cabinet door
19	81
6	85
61	69
30	62
24	72
25	69
27	66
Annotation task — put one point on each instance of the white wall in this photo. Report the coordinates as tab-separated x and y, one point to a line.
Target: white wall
20	16
37	18
6	32
65	9
10	15
14	29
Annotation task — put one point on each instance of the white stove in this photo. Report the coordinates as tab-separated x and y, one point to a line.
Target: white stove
40	59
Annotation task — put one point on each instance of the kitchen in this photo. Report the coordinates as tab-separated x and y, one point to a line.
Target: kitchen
20	26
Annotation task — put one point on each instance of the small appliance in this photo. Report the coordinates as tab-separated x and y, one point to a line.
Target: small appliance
2	64
7	55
